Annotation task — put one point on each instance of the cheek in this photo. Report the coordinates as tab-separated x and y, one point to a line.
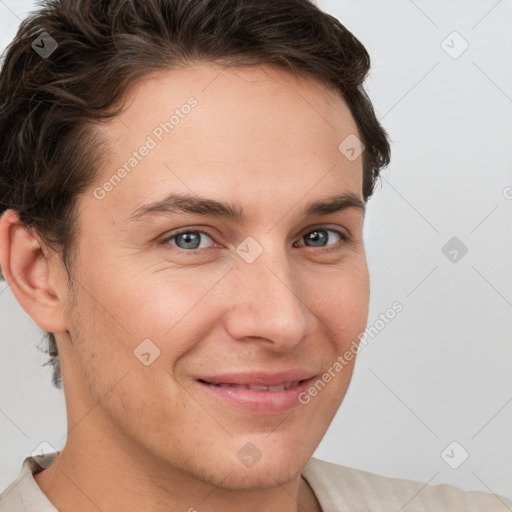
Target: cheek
158	302
340	298
118	379
131	319
141	304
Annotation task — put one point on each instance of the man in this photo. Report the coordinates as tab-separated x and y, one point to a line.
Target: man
195	303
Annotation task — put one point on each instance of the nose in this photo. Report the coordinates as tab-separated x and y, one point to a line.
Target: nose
267	302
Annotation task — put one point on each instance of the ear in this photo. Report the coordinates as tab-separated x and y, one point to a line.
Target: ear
25	266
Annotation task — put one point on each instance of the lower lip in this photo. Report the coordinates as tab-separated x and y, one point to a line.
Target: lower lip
259	402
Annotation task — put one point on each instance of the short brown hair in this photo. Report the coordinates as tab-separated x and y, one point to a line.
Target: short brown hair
49	104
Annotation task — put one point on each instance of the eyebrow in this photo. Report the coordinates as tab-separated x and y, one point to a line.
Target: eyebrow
184	203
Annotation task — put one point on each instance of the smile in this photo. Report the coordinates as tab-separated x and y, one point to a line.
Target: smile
256	398
257	387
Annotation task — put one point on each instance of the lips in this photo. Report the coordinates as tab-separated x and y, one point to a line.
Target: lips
257	387
260	381
257	393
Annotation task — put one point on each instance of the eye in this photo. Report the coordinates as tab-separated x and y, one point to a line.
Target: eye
319	238
192	240
188	240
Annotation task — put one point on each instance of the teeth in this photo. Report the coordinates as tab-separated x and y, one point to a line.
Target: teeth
276	388
256	387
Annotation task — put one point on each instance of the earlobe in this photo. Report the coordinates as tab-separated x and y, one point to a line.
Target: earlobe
26	269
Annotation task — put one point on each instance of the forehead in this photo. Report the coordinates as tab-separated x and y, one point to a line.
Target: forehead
254	133
237	87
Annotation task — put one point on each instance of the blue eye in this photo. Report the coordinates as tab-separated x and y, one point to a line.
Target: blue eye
191	240
188	240
320	236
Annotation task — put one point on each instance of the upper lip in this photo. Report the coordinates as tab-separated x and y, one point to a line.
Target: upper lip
260	378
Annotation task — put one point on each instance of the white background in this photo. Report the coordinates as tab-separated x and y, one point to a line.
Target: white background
440	371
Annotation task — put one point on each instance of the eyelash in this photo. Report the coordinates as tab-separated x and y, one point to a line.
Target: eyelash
344	238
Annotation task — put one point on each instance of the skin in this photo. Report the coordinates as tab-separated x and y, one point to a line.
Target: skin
145	437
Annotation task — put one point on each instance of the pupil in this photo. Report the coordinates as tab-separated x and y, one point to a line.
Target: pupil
189	239
315	236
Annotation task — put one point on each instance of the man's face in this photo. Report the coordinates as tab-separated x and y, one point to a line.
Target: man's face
277	291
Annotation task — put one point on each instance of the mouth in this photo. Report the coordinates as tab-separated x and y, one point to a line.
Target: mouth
254	387
256	398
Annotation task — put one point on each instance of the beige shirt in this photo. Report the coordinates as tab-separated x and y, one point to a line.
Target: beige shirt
337	488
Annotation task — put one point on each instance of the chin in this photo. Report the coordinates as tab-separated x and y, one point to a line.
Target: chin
265	474
259	469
